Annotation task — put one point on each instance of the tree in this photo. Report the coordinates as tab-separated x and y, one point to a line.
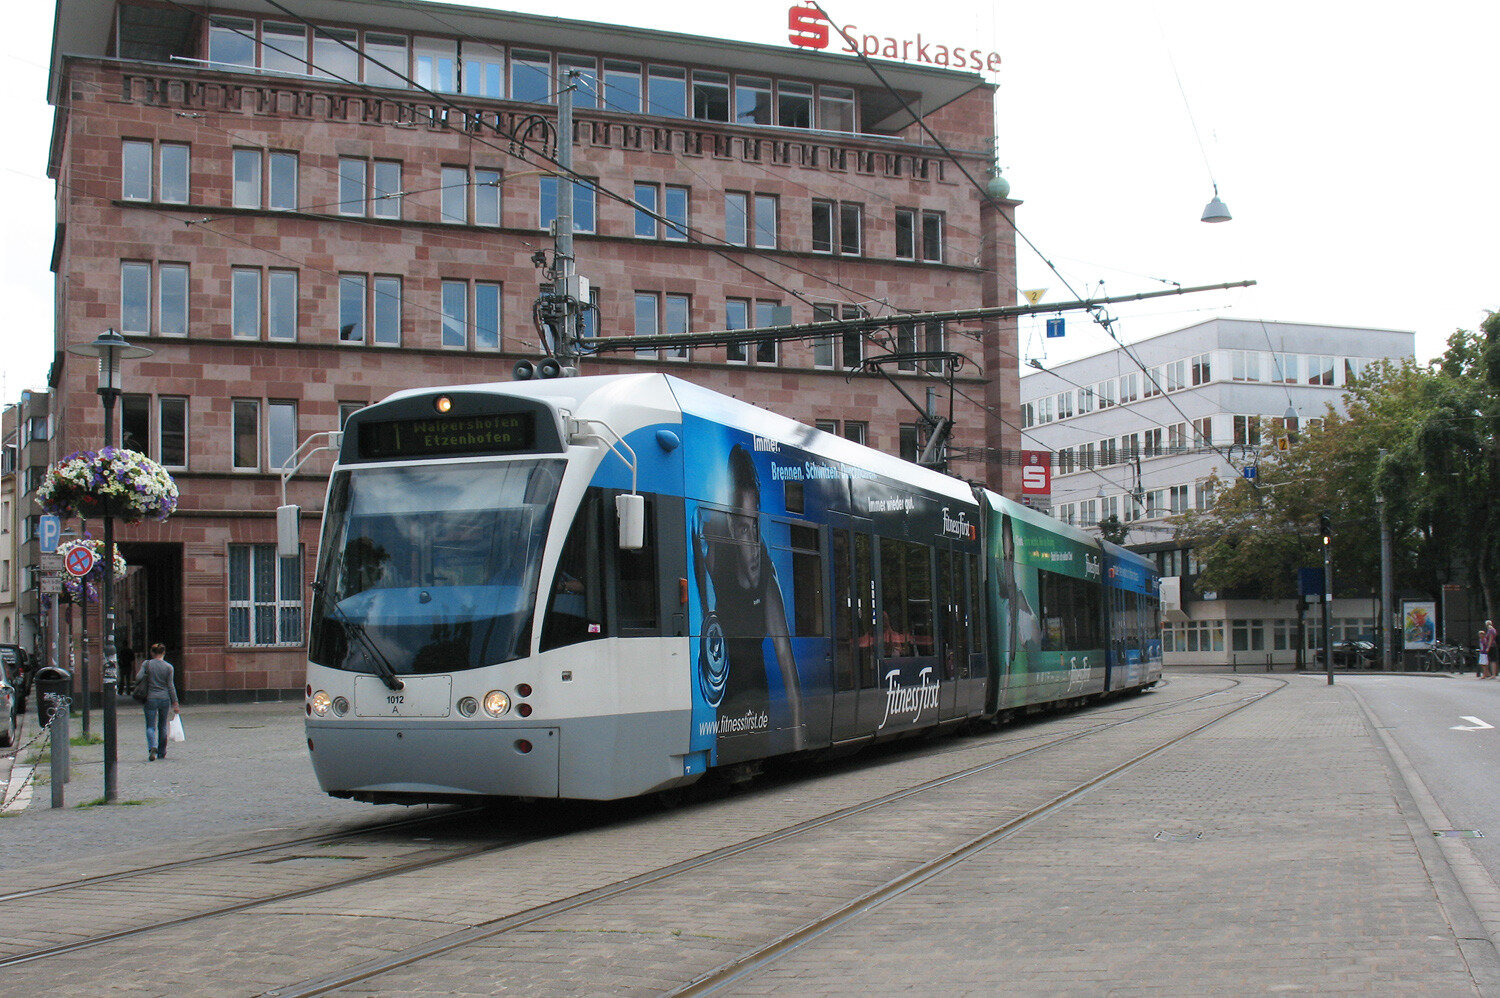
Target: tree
1113	529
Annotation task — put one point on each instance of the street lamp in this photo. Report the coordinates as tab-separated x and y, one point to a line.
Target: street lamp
110	348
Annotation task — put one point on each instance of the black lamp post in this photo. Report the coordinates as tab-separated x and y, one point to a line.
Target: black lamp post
110	348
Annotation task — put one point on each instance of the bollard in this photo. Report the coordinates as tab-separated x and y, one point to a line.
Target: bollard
58	730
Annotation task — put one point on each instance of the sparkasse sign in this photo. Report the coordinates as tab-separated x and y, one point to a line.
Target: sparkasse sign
811	29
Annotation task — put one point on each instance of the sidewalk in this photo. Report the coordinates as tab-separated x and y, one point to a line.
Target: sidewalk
243	767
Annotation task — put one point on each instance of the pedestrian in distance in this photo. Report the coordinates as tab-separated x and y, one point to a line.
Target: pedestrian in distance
1487	650
161	700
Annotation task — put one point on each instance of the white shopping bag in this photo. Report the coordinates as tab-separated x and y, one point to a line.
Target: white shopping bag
174	730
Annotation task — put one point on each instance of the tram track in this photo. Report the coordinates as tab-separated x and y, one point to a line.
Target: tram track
580	901
488	931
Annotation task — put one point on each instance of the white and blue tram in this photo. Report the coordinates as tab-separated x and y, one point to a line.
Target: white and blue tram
605	586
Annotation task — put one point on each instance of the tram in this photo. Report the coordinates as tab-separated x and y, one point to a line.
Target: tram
601	587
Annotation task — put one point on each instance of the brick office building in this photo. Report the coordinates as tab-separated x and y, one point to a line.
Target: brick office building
301	214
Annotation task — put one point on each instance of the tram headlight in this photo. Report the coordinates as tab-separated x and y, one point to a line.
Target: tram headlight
340	706
321	701
496	703
467	706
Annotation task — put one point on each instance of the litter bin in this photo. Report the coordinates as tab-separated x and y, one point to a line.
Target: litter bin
50	679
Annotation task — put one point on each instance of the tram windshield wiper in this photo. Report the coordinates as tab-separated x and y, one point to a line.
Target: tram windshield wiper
356	630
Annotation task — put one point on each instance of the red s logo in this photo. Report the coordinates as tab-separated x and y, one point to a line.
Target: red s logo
809	28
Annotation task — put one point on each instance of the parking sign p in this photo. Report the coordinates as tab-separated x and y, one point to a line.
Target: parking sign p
48	531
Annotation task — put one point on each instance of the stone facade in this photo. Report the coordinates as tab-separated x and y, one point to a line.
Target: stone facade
109	108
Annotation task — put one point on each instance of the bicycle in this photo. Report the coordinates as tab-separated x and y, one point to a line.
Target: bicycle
1444	657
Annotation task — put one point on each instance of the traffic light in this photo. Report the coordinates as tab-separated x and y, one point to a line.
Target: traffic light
1325	525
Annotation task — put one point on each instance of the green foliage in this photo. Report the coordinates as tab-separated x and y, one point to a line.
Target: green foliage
1113	529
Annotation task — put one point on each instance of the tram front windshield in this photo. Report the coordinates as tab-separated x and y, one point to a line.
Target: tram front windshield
431	568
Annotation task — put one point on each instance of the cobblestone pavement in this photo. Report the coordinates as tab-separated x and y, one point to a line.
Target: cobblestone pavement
243	768
1283	850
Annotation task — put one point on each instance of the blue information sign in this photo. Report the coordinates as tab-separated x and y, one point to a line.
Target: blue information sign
48	531
1054	327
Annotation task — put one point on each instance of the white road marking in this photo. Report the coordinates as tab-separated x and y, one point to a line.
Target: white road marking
1478	725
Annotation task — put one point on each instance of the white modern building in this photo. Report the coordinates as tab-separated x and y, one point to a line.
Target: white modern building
1144	432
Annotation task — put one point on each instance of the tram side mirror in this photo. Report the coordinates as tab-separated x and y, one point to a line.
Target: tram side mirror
288	536
631	512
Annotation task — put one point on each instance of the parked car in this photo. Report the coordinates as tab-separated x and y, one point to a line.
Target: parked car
1351	655
10	706
18	666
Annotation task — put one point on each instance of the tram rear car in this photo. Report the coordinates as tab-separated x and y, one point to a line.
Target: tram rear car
485	624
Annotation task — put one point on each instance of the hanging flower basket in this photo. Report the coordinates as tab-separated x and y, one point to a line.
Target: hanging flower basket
124	484
77	587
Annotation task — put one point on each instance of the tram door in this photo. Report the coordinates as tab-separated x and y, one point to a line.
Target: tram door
854	624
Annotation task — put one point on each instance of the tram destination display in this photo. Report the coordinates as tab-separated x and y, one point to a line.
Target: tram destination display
487	433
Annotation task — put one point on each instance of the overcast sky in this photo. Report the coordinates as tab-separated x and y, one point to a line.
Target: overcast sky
1353	143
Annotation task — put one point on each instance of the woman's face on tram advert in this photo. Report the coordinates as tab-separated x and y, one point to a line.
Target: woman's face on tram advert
744	532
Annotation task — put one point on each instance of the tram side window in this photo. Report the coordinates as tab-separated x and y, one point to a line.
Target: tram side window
954	601
575	611
1070	613
808	618
905	599
636	587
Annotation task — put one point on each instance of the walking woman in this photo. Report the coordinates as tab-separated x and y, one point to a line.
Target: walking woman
161	693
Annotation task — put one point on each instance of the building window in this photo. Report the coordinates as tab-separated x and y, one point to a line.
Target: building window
675	208
837	227
336	54
359	298
856	431
907	442
657	314
436	61
1247	431
1203	432
170	176
843	350
135	297
752	100
231	42
247	180
1176	375
265	597
1244	365
710	96
1153	443
483	69
1177	499
483	333
794	105
281	433
244	302
458	206
1202	369
1285	368
172	431
1152	385
386	61
585	84
530	76
370	188
281	305
736	218
622	86
347	409
739	313
1320	370
172	299
281	182
932	236
583	203
646	210
765	221
246	435
906	234
836	109
1128	388
666	91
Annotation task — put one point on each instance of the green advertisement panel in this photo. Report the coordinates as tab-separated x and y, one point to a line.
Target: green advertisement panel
1046	607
